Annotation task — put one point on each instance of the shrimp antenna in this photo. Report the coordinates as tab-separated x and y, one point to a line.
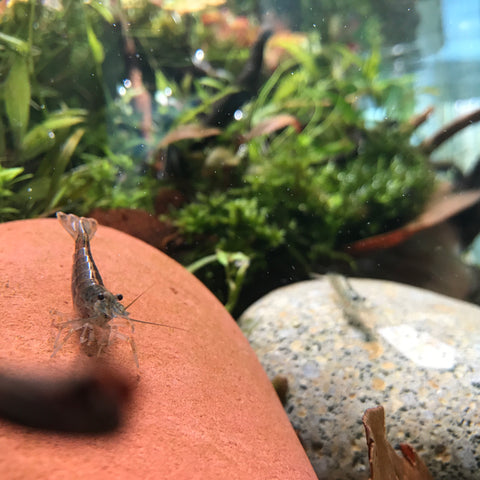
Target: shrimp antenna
149	323
137	297
158	324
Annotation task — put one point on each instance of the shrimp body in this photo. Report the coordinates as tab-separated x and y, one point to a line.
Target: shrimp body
95	305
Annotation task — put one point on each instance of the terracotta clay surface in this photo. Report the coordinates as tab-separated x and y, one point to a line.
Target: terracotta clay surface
201	407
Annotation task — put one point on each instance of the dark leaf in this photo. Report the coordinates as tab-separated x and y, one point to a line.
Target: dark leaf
385	464
437	211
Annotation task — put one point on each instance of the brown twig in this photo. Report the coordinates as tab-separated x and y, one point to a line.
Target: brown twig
433	142
142	100
421	118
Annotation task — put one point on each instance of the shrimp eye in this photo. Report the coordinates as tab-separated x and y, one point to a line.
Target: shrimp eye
101	296
120	296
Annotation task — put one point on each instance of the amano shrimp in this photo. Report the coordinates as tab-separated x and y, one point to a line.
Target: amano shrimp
95	305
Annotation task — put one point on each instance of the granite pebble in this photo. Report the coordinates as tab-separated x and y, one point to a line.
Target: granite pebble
345	346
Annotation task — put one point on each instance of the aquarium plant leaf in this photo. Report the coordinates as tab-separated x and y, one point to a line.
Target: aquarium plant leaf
102	10
37	141
188	132
273	124
42	137
9	176
183	7
3	144
189	115
209	82
17	97
14	43
235	265
372	64
95	46
61	162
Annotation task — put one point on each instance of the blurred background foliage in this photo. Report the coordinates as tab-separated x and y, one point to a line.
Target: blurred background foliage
109	104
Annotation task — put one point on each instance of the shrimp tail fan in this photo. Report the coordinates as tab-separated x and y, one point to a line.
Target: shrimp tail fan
76	226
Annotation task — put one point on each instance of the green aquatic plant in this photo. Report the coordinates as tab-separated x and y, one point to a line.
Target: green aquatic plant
309	191
62	120
8	176
235	223
318	154
106	181
39	133
235	265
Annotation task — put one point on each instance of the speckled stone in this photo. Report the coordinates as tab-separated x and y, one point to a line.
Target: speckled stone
415	352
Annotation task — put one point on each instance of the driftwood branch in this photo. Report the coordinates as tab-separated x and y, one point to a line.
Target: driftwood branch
433	142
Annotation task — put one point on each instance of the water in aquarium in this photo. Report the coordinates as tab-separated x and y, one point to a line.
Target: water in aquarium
260	143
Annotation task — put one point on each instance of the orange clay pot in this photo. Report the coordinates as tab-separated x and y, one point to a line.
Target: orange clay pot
201	405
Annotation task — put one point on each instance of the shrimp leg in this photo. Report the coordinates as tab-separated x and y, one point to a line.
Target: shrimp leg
114	333
76	325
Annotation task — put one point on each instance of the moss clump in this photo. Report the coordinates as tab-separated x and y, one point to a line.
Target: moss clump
307	192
